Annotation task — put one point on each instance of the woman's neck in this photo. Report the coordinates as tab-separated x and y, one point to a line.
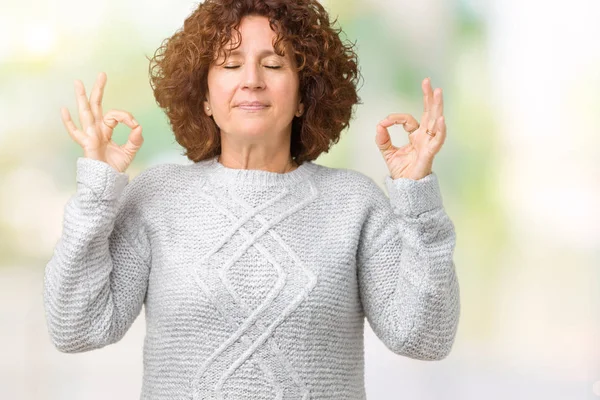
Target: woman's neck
277	164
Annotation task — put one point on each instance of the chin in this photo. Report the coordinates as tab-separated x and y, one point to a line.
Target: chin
253	130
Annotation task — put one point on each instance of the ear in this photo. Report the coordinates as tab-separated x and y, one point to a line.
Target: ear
300	110
207	108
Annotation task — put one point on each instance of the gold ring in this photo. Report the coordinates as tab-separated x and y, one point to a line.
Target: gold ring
432	134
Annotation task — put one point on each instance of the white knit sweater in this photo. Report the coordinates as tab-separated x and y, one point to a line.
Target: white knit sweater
255	284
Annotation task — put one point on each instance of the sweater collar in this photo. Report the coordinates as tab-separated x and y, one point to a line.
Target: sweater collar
220	174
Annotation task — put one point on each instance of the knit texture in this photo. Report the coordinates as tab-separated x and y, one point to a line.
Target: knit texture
255	284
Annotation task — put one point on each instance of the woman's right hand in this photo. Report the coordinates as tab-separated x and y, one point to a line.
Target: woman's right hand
97	128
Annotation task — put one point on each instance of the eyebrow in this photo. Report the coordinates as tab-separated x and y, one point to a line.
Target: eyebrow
264	53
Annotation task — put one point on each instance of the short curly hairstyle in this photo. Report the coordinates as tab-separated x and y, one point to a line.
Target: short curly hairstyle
327	67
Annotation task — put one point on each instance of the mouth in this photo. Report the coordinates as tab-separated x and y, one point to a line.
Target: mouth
252	106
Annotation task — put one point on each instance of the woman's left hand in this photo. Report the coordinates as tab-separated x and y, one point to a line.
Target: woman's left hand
415	160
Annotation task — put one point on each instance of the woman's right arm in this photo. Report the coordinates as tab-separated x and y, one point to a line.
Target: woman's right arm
96	281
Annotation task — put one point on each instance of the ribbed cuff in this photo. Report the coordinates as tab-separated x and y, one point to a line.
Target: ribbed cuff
413	197
106	182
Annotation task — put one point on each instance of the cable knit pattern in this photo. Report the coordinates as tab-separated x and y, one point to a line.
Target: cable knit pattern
255	284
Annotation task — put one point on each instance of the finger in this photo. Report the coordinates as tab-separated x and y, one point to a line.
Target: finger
437	108
427	95
113	118
86	118
440	129
431	128
408	122
74	132
96	97
436	141
382	139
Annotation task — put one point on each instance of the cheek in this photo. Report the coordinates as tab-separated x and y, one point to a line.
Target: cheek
288	92
220	91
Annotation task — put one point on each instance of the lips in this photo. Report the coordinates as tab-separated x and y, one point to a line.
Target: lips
252	105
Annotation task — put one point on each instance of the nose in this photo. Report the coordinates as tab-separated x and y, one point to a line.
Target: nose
252	78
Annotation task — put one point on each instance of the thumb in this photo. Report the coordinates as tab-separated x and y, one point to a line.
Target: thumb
382	139
135	140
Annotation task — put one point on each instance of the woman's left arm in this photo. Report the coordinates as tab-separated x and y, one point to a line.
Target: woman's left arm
406	271
407	279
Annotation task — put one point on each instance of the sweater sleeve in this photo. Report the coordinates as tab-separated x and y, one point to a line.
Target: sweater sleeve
406	273
96	280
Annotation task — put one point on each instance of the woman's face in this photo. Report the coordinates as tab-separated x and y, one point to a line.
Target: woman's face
255	93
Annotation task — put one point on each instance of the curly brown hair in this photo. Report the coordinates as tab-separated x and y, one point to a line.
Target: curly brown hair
327	68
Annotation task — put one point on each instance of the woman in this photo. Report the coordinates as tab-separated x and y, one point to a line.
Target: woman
255	265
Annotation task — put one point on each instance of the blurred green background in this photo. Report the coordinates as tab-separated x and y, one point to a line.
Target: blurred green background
519	174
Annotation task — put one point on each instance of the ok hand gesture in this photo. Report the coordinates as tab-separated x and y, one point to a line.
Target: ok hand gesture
415	160
95	137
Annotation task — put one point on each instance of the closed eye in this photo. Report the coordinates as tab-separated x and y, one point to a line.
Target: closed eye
266	66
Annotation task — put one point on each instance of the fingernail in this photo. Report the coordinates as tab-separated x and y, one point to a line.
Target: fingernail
134	122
